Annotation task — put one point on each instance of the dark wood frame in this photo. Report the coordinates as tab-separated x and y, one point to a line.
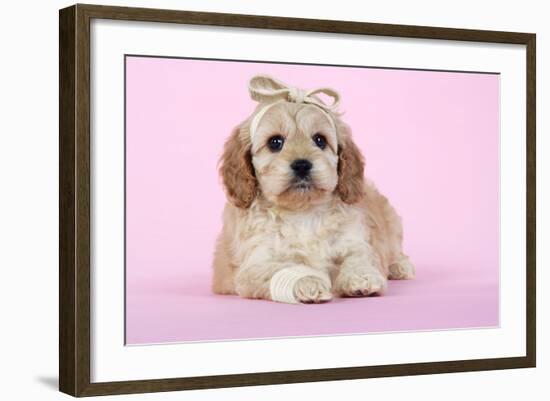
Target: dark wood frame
74	199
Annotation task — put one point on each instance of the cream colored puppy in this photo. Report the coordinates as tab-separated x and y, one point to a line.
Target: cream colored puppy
301	223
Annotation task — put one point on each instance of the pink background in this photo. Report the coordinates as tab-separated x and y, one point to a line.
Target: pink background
430	140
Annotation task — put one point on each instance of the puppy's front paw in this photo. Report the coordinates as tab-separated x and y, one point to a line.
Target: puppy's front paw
360	284
403	269
300	283
312	290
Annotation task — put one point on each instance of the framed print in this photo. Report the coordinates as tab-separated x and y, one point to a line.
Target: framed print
250	200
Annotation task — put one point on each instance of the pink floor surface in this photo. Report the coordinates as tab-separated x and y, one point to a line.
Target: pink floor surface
433	301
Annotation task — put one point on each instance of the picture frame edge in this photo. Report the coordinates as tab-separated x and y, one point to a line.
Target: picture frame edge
67	295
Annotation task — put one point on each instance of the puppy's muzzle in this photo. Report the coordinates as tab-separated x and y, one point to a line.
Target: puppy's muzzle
301	168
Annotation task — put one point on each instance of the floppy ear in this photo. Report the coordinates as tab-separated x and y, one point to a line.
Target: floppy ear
351	167
237	170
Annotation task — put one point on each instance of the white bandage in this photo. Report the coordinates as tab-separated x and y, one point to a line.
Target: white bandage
283	282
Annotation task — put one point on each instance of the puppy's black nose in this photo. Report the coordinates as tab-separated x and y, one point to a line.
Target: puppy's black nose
301	167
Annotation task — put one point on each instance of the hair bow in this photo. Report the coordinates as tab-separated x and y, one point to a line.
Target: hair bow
268	90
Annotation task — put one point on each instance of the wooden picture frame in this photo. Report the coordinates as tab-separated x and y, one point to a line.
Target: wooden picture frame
74	199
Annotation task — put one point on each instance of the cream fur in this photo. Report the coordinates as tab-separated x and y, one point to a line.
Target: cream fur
356	245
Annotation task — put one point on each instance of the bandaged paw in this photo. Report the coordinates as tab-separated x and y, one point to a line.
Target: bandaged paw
300	284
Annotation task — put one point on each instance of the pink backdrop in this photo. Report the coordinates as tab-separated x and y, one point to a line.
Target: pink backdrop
430	140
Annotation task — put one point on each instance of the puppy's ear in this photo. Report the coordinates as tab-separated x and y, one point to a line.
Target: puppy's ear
237	171
351	167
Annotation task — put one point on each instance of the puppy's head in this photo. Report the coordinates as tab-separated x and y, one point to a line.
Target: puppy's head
294	154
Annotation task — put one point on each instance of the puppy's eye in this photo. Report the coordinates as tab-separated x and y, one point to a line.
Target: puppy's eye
320	141
275	143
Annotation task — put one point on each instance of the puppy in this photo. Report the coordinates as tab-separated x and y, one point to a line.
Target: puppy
302	224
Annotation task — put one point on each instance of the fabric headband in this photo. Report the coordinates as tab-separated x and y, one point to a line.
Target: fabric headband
269	91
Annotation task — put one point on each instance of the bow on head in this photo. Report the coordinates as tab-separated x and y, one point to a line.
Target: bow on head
269	91
265	89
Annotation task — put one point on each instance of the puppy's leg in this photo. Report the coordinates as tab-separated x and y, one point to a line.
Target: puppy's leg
386	235
360	274
283	282
224	270
401	269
